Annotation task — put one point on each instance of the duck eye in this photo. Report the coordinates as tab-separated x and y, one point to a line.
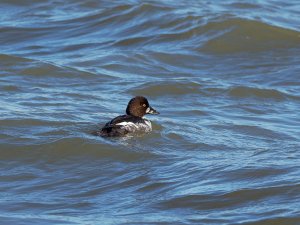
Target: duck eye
144	105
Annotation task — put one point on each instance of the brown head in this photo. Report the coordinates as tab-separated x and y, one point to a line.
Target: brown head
139	106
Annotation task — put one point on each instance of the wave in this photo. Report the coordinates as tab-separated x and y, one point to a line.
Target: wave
22	66
235	198
167	88
154	26
71	147
241	35
263	93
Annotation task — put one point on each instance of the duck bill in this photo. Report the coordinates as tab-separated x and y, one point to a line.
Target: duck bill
150	110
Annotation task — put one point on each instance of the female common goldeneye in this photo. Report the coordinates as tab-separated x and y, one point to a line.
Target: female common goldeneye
132	122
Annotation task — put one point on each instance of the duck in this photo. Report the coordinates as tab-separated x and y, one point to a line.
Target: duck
132	122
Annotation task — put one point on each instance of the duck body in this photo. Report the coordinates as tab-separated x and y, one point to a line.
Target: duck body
126	124
131	123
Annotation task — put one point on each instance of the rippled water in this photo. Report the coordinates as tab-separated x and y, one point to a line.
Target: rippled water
224	76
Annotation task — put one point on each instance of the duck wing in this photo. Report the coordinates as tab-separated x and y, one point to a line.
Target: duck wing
119	126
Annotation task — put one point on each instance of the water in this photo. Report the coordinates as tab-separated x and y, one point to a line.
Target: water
224	76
